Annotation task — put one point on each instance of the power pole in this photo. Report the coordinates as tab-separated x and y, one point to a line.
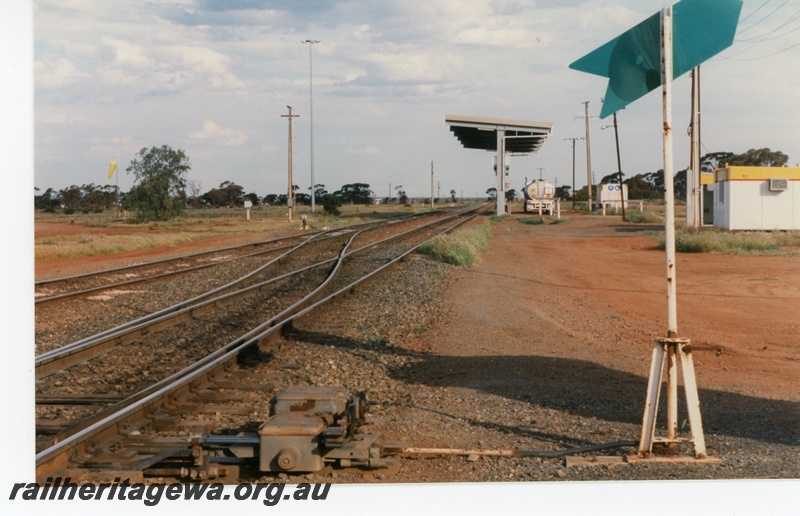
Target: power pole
573	166
431	184
540	172
619	167
694	199
588	154
290	197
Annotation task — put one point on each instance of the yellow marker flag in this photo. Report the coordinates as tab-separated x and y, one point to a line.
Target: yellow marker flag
112	167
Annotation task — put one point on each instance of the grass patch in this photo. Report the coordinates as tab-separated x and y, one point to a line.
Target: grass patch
464	247
72	246
531	221
643	217
195	224
558	221
717	241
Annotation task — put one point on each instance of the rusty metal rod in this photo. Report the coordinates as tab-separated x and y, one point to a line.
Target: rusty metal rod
514	453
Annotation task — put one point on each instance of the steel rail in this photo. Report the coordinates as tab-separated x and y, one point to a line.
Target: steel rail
57	456
212	251
104	272
101	343
229	287
155	277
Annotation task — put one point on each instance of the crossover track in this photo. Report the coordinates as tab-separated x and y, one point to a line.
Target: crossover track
210	358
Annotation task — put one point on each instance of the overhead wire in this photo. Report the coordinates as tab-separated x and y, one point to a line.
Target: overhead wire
754	12
764	18
761	37
765	37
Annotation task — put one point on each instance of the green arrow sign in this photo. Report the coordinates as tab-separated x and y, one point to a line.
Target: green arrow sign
632	61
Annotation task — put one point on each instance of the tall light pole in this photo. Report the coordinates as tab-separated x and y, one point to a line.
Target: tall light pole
311	43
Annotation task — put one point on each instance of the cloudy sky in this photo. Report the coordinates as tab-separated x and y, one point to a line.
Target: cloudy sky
213	78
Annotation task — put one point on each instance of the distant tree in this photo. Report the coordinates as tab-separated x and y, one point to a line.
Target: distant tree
271	199
159	189
319	192
47	201
252	197
195	192
491	194
612	178
355	193
679	184
228	194
301	198
714	160
752	158
510	194
71	197
564	192
645	186
759	158
452	196
402	198
331	203
583	194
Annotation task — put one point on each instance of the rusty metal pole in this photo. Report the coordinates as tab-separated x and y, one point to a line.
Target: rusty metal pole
669	189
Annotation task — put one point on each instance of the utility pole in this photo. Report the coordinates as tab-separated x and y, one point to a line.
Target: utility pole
619	167
588	154
573	166
540	172
311	43
694	199
290	197
431	184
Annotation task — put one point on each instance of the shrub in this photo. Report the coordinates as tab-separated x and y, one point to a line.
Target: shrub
717	241
331	203
464	247
643	217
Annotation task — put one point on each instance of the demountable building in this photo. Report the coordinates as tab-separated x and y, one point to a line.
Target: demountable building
757	198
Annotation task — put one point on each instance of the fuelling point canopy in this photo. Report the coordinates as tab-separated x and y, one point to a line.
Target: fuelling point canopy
520	136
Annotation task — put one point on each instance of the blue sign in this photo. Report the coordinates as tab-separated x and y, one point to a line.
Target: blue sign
632	61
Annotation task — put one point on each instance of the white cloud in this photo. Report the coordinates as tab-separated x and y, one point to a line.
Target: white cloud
215	133
207	62
127	54
57	73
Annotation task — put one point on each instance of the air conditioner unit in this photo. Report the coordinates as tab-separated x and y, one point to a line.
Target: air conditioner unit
778	184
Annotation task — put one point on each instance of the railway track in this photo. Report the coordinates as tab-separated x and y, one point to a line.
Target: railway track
207	345
93	309
57	289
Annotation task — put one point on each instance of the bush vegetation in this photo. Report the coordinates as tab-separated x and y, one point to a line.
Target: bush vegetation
464	247
718	241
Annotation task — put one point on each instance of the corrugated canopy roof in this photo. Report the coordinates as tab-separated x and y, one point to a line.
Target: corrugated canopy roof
476	132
